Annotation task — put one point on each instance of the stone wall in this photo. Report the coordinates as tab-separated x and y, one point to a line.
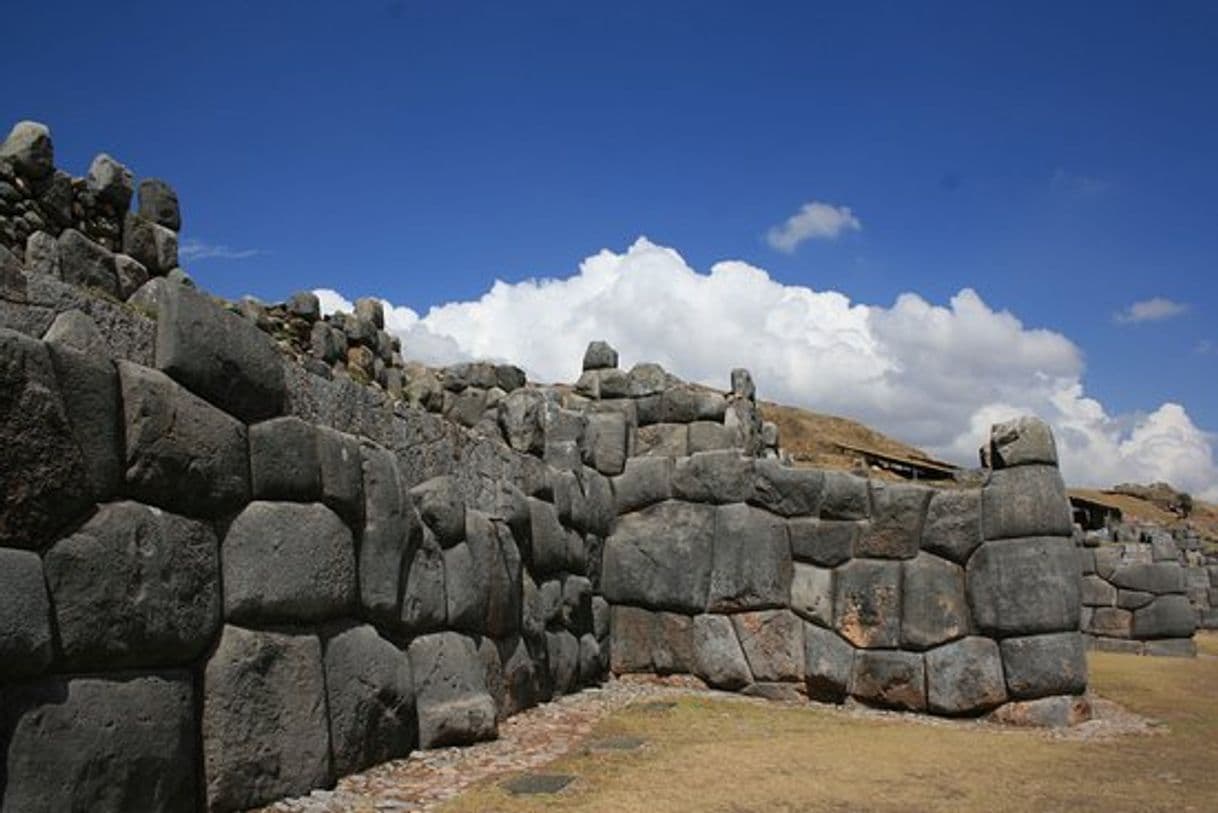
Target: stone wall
256	569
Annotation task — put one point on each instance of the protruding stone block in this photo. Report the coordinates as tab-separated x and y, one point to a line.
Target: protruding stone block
440	506
827	543
605	442
717	654
390	529
643	482
846	497
751	559
1046	712
151	244
1165	617
965	677
713	477
1041	665
284	463
660	557
424	603
111	182
786	490
898	512
867	603
812	593
342	478
25	616
88	384
1022	441
828	664
599	356
953	524
86	263
773	644
669	440
521	416
1025	501
562	653
159	203
891	679
1159	577
933	606
29	148
453	703
1004	575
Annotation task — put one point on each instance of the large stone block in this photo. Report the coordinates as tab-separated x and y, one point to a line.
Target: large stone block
424	603
898	512
1025	501
812	593
846	497
890	679
670	440
933	606
1042	665
284	460
1060	711
1109	621
117	744
751	559
605	442
370	696
822	542
441	508
1165	617
182	453
1024	586
718	658
454	706
85	263
953	524
342	478
773	644
645	641
1021	442
391	529
288	563
562	655
504	600
521	416
159	203
713	477
644	481
708	436
89	387
688	403
1096	592
828	664
152	245
218	355
867	603
1157	577
965	677
30	149
135	587
660	557
45	483
786	490
25	616
265	733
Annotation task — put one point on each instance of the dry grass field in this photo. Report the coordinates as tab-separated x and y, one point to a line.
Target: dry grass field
732	756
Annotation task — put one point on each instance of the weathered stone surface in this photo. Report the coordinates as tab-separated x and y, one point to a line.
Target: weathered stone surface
85	263
773	644
135	587
1159	577
1165	617
467	568
1046	712
812	593
953	524
751	560
708	436
599	356
159	203
647	378
288	563
933	606
846	497
111	182
424	603
75	330
718	658
265	733
1002	577
1128	599
600	617
342	478
828	664
592	664
42	255
1096	592
584	498
669	440
867	603
1022	441
88	385
965	677
25	616
151	244
440	505
645	641
660	557
284	461
713	477
548	549
562	654
827	543
1025	501
370	697
1121	645
1107	560
1111	622
29	148
1041	665
787	490
521	417
577	603
891	679
454	706
390	529
370	309
218	355
504	598
510	377
685	403
182	453
605	442
101	744
898	512
523	681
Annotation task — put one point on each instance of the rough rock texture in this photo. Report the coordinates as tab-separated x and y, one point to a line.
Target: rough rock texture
827	543
660	557
953	524
1002	575
264	719
965	677
1042	665
713	477
643	482
454	706
812	593
933	606
115	743
751	559
717	654
390	528
898	512
892	679
25	616
1025	501
828	664
1022	441
787	491
867	603
773	644
284	462
135	586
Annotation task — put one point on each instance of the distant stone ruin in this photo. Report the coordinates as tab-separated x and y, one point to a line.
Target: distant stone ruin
246	549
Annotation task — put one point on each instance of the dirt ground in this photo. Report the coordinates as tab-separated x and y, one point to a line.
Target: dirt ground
728	756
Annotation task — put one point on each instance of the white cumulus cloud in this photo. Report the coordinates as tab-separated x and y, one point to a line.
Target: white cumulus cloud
935	375
1154	309
813	221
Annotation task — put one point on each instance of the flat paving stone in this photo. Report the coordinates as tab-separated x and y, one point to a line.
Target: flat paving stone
533	784
615	744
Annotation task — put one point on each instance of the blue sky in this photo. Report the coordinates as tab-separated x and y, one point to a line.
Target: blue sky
1057	158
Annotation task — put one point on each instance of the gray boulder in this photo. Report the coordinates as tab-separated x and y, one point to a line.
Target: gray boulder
645	641
88	384
28	147
647	378
890	679
42	255
751	560
773	644
1046	712
151	244
953	524
827	543
1097	592
846	497
708	436
786	490
25	616
599	356
390	530
812	593
718	658
101	744
342	478
686	403
605	442
288	563
327	343
86	263
454	706
1157	577
898	512
933	606
660	557
713	477
1022	441
265	731
867	603
504	599
218	355
76	330
182	454
1002	575
592	664
562	654
284	462
1025	501
45	484
550	543
159	203
1109	621
135	587
742	384
304	305
828	664
110	182
370	697
510	377
424	603
1041	665
965	677
131	275
667	440
521	416
1165	617
467	568
440	506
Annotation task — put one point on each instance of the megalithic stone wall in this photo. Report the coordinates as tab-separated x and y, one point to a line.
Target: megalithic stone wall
255	569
